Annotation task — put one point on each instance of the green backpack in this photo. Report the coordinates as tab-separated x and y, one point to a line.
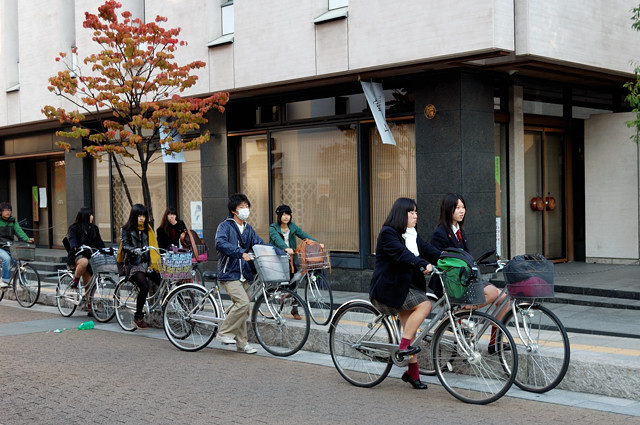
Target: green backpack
459	271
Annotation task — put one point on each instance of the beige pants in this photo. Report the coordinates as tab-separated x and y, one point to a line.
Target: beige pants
235	325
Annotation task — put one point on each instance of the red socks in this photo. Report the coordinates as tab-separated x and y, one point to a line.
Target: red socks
404	343
414	371
76	279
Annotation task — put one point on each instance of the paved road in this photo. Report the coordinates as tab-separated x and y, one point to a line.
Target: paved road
108	376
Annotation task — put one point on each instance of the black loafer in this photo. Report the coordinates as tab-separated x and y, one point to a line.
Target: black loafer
492	348
418	385
408	351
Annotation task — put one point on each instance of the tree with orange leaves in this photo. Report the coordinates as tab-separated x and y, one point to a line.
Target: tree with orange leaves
130	97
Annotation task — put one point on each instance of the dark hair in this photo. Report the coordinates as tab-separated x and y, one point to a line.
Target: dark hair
235	200
132	221
5	206
398	217
164	223
83	220
447	207
282	209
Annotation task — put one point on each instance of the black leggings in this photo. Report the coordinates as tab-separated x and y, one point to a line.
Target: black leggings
143	281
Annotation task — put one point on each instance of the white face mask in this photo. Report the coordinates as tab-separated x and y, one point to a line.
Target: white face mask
243	213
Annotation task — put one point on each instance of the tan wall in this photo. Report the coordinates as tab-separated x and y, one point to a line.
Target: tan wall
611	189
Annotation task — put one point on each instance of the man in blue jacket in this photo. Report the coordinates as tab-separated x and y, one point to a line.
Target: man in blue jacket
234	239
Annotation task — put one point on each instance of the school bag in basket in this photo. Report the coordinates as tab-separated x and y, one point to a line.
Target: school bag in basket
190	240
461	277
312	255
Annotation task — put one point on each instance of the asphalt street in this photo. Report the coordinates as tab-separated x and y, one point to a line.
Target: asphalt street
106	375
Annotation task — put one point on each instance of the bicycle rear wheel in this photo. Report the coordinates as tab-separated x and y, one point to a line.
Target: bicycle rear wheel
67	298
125	297
190	317
26	285
102	300
351	328
274	326
543	347
462	360
317	293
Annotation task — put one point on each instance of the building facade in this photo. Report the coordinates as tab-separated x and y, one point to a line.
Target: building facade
517	105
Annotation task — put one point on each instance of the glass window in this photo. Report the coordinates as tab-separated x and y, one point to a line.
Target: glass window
393	172
190	185
227	18
156	177
254	178
315	173
501	177
335	4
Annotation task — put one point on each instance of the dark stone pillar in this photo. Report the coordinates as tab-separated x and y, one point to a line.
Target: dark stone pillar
455	152
78	180
218	169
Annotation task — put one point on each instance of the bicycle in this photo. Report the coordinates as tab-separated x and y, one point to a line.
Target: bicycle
192	314
542	340
25	279
317	289
126	292
364	346
99	289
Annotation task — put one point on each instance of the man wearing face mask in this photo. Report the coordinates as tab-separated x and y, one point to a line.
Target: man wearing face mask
234	239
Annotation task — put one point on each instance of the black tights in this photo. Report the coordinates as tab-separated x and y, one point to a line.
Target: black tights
141	280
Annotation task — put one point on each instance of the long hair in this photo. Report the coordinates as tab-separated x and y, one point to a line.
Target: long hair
398	217
132	221
83	220
164	223
447	207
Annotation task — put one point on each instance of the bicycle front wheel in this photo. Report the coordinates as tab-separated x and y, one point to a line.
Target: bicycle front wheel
102	300
543	347
125	298
317	293
26	285
190	317
275	328
67	298
351	329
466	365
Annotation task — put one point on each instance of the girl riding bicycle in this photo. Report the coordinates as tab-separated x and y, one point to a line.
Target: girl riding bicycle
402	260
137	234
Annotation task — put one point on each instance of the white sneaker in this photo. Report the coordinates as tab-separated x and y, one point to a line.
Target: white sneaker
3	284
225	339
247	349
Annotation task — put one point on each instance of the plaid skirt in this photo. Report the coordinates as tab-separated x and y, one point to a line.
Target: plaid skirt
414	298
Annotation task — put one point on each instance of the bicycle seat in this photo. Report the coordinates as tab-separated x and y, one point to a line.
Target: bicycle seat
210	275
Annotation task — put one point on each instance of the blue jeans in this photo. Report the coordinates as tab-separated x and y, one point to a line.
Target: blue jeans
6	265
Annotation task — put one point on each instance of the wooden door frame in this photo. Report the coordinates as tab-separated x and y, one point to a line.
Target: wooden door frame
568	192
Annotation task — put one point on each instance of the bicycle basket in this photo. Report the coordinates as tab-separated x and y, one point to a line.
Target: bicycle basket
271	267
23	251
176	265
529	276
461	282
312	256
102	262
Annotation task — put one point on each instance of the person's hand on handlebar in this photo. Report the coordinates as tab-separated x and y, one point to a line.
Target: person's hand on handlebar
428	269
246	257
289	251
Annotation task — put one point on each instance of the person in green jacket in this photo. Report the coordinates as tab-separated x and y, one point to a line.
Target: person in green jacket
9	229
283	234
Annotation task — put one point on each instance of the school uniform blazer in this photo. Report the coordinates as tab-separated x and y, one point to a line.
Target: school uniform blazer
397	268
443	238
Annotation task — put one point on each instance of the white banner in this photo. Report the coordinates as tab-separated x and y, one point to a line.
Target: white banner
375	98
175	137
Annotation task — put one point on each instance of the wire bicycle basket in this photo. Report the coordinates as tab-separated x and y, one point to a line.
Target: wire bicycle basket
23	251
176	265
103	262
271	267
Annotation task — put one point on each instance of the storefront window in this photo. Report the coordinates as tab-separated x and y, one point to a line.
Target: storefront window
156	177
393	172
315	172
254	180
190	187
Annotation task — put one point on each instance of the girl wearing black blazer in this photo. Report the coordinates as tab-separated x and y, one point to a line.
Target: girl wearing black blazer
402	260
